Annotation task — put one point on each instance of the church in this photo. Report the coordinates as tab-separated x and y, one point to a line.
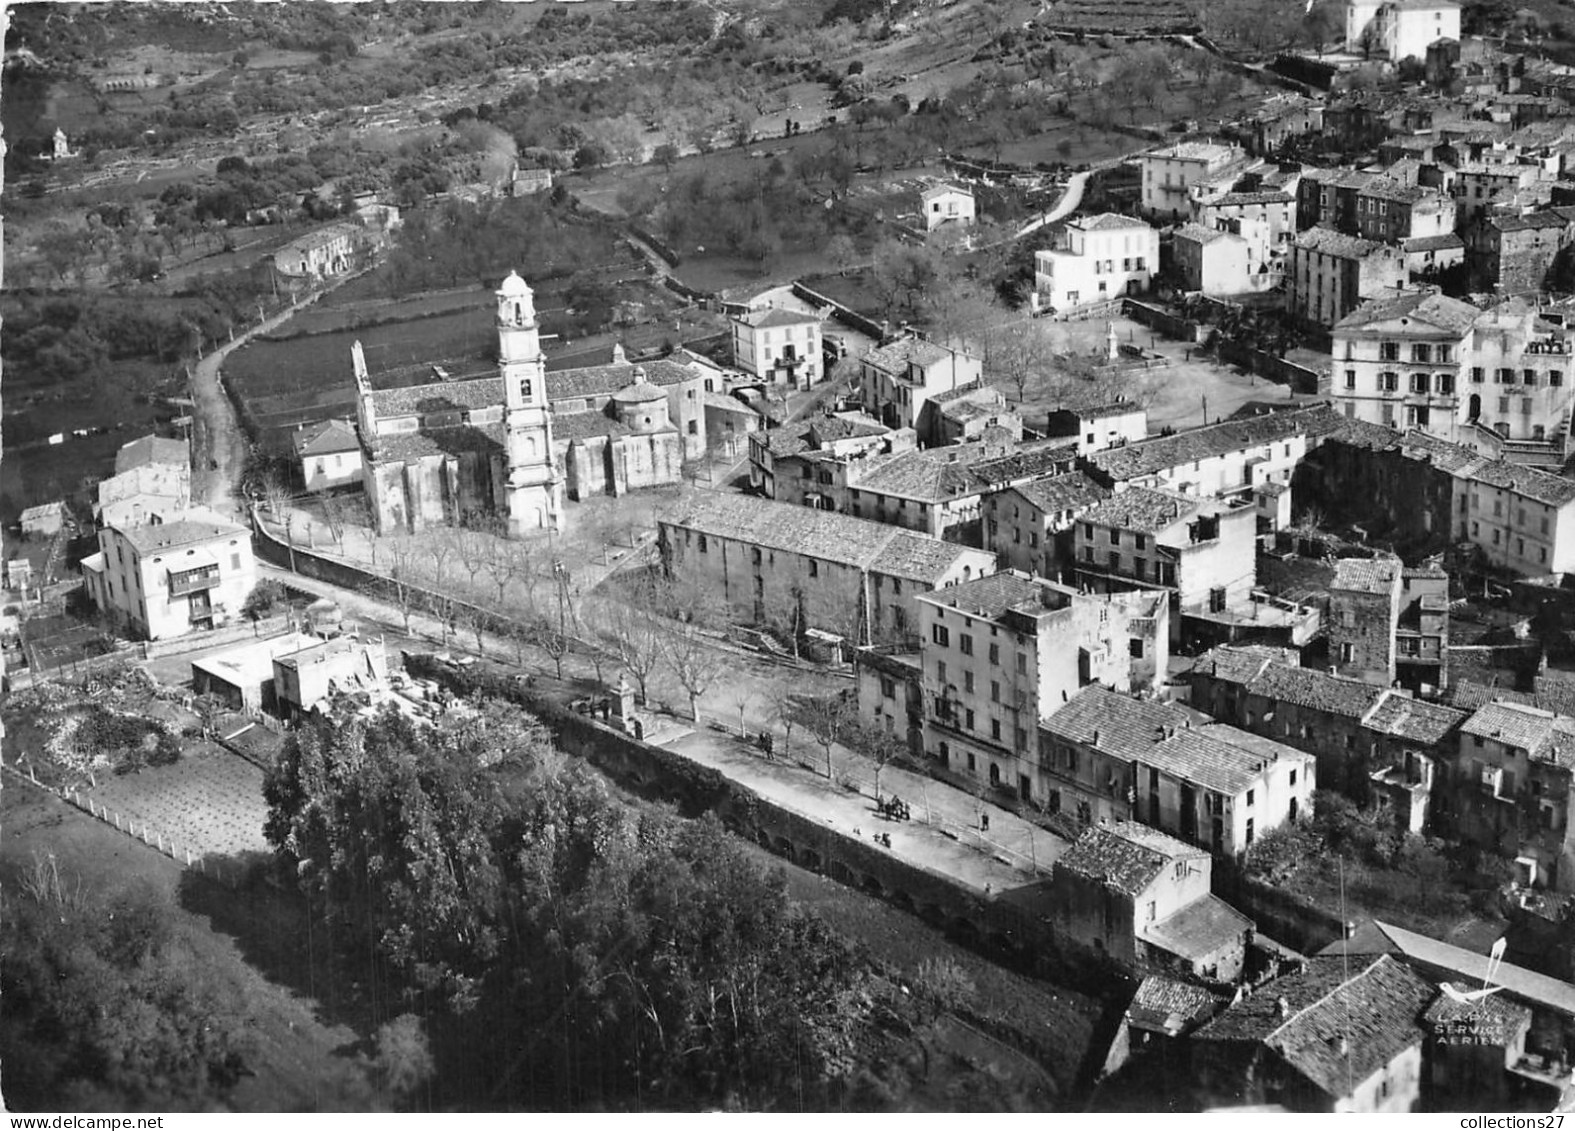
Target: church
516	444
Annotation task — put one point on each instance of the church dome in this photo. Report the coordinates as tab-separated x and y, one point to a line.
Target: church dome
640	392
514	285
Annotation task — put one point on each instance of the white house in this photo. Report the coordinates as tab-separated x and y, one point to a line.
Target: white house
1102	257
330	454
1400	29
946	204
780	346
170	578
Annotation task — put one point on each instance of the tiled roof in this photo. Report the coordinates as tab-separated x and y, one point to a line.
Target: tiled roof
1534	221
1196	150
1164	1004
1232	663
401	447
1414	719
438	396
1194	756
571	426
151	450
825	535
1199	930
1158	453
1386	188
942	189
1333	1028
956	470
1066	492
1437	310
597	380
1494	1012
1197	233
1251	198
895	357
1321	691
1123	855
1542	734
1143	509
1439	453
1542	486
56	509
726	402
775	316
1326	241
1472	966
1444	242
970	391
157	537
1366	575
1117	724
1107	222
325	438
992	596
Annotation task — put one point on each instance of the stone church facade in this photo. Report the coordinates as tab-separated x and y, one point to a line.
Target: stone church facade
517	444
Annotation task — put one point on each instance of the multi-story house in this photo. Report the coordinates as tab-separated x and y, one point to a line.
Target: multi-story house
1364	617
1233	458
1397	361
152	480
1389	211
1099	426
900	376
1522	519
1508	788
1327	198
1422	633
1201	550
1273	209
1101	257
1332	273
1000	655
1512	254
1142	899
1169	173
796	568
1399	29
305	679
1030	526
961	414
1335	1035
1520	378
329	453
786	463
780	346
1477	184
171	578
1213	261
328	251
1109	757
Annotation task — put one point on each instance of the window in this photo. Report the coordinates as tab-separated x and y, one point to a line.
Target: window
968	682
1153	910
968	718
995	691
235	559
1140	541
940	634
1251	796
1555	377
814	567
1420	351
1389	351
1135	648
1528	376
1504	376
1443	354
1293	777
1388	382
1249	830
1115	562
1419	382
1350	378
701	544
1022	663
965	644
995	729
1476	375
888	687
1446	384
940	670
694	426
995	655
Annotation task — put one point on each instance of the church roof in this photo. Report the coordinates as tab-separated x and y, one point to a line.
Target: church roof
438	396
514	286
640	392
608	379
403	447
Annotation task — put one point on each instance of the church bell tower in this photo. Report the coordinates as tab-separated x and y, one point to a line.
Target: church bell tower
535	487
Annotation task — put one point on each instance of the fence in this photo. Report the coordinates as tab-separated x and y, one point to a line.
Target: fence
181	854
263	628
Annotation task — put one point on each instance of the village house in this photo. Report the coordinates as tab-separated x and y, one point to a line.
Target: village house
529	182
796	568
1513	254
1521	380
1108	757
785	463
1398	362
44	520
1099	258
1399	29
730	421
1097	426
171	578
1212	261
1332	273
1170	172
889	679
1267	216
329	251
1029	526
965	413
780	346
1364	617
329	453
999	655
1142	899
1334	1036
898	377
306	679
1422	633
946	204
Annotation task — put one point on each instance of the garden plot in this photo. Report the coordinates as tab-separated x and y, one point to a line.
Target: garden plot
210	802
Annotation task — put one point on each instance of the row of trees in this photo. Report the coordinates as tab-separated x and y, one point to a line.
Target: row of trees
570	950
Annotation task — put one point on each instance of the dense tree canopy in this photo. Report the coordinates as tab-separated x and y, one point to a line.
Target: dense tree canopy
610	958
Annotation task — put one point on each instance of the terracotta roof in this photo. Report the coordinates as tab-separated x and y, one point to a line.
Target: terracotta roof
570	426
991	597
1195	756
438	396
598	380
1124	855
1166	1005
824	535
151	450
1067	492
1143	509
1197	233
1439	311
1332	1028
1159	453
405	446
1414	719
325	438
1237	663
1196	150
1472	966
1493	1016
955	470
1444	242
1366	575
1124	727
1326	241
775	316
1321	691
895	357
1542	486
1267	197
1107	222
1542	734
157	537
1199	930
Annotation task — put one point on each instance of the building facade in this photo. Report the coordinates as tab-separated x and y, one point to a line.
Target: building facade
1101	257
780	346
168	579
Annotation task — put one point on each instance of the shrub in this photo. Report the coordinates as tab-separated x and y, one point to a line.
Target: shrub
262	599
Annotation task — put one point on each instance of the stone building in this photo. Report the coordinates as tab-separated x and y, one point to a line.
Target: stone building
517	443
1332	273
1029	526
1364	616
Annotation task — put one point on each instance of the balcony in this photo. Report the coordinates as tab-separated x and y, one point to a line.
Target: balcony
194	581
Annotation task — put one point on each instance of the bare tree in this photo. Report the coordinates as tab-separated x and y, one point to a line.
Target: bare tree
830	719
472	547
695	661
505	561
475	619
878	745
740	697
333	514
633	630
439	546
276	492
404	556
785	714
551	639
